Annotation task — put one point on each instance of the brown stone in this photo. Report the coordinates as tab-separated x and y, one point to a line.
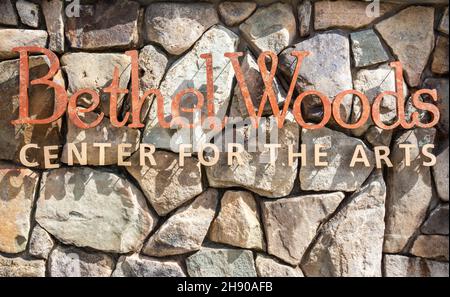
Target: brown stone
431	247
18	267
440	57
234	13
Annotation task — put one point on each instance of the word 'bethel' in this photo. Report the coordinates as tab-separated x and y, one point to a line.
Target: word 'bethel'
329	109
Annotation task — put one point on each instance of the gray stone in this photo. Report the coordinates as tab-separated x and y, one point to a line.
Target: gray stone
440	173
255	86
367	49
223	262
105	25
141	266
401	266
190	72
104	132
443	25
437	222
372	82
304	11
95	71
338	175
270	28
152	66
411	46
440	56
441	86
28	13
351	243
18	267
8	15
177	26
167	185
41	243
409	188
92	208
291	223
17	194
238	222
12	38
53	11
377	136
74	262
185	230
319	72
256	173
41	105
234	13
431	247
270	267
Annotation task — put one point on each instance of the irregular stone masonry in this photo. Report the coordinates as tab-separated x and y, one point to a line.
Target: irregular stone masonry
155	211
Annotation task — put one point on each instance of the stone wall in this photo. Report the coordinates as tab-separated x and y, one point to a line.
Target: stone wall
256	219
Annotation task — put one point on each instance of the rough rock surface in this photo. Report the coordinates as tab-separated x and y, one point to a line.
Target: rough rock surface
141	266
409	190
442	88
440	174
238	222
443	25
41	243
234	13
367	49
102	133
185	230
431	247
412	47
12	38
345	14
304	12
338	175
41	105
8	15
221	262
255	86
351	243
107	24
190	72
401	266
53	11
437	222
94	71
74	262
167	185
18	267
319	72
291	223
270	267
372	82
92	208
28	13
177	26
256	173
440	56
270	28
17	194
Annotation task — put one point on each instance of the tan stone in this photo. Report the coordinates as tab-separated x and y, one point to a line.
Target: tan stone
238	222
18	267
401	266
12	38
